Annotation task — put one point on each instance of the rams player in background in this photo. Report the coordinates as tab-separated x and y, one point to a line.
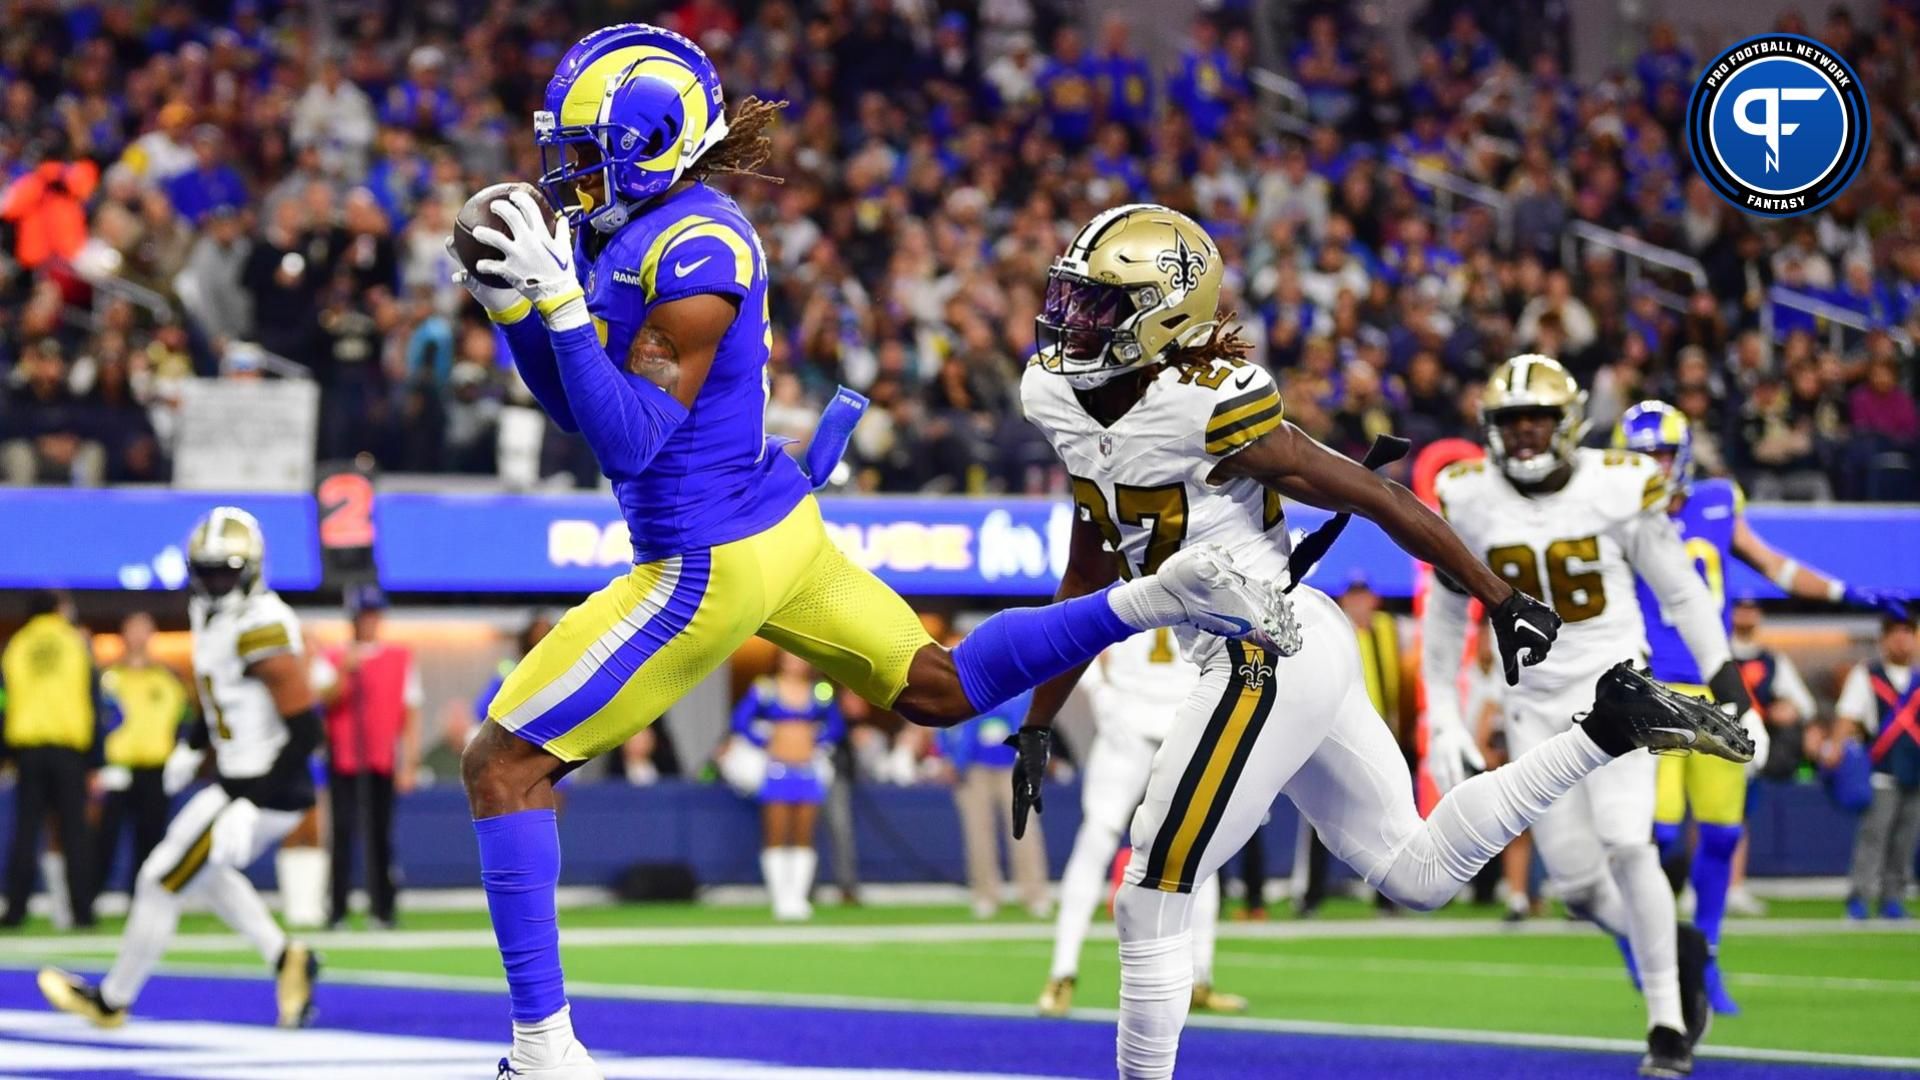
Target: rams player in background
1711	517
650	338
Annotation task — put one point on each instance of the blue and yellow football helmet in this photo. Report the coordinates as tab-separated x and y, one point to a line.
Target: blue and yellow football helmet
1655	427
635	102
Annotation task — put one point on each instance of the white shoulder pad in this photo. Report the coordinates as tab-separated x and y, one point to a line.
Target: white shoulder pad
267	627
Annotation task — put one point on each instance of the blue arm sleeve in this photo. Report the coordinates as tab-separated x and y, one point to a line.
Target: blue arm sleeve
532	352
743	715
624	418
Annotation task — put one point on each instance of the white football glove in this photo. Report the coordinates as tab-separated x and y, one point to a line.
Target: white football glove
1451	754
182	766
537	258
504	305
233	834
1762	739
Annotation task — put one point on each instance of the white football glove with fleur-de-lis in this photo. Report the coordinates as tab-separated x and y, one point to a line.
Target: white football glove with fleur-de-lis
536	258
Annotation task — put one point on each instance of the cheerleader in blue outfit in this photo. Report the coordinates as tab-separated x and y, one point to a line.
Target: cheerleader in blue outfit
790	715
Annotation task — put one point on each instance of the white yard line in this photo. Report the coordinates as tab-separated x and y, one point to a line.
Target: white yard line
1104	1016
920	933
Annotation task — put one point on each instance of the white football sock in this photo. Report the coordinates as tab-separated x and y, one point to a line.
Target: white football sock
1650	927
1156	979
544	1044
1206	925
150	925
1082	884
1144	604
1479	818
233	899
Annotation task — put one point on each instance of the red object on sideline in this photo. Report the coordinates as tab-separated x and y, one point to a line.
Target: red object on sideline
364	724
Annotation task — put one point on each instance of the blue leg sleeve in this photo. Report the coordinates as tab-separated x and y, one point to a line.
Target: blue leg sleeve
1021	648
1712	873
520	868
1669	836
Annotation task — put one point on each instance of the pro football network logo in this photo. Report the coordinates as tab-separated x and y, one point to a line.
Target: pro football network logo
1778	125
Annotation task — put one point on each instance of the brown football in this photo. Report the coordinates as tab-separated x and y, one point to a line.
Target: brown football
479	211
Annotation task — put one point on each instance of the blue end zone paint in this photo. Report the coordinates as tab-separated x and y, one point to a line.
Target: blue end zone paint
838	1038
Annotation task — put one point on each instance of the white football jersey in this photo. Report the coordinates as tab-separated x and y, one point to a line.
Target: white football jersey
228	637
1143	481
1574	550
1140	683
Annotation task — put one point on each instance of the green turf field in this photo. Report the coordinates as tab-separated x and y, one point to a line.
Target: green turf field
1807	980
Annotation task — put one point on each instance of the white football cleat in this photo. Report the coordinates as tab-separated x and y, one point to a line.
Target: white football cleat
575	1064
1223	601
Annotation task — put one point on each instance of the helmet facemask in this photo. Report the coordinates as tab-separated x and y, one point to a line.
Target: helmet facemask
1138	283
1567	430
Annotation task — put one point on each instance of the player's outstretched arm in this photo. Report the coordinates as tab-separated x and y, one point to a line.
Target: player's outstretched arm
1290	462
1804	581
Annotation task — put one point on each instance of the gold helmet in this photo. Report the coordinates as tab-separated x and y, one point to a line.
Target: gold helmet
1136	282
225	554
1530	383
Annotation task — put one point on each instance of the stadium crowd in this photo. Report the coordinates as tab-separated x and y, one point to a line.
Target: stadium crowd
284	177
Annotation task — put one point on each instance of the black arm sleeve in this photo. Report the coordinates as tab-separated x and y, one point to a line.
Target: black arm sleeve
288	785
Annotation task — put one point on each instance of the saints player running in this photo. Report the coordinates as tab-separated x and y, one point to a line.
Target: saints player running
650	338
260	719
1136	688
1174	440
1710	515
1572	526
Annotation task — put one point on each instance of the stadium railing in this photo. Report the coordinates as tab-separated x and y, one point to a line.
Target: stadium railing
1638	254
1838	319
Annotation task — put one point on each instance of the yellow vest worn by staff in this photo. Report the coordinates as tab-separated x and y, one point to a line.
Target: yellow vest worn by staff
152	704
48	672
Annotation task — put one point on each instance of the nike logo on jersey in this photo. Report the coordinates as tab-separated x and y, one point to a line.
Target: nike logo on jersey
1245	381
682	269
1716	512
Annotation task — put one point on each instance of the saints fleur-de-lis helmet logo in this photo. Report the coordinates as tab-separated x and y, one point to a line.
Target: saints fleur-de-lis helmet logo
1182	264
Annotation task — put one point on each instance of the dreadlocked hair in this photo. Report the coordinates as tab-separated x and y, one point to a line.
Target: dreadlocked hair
1224	342
747	146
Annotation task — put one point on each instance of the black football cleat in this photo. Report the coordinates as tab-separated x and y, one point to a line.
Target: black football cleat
294	976
1631	710
1696	1005
1668	1055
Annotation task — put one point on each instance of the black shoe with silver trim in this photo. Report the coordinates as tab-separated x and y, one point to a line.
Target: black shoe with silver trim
1631	710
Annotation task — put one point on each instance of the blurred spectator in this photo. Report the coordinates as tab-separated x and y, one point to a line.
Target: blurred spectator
47	437
335	117
212	182
979	765
46	209
371	691
150	703
1880	705
51	733
210	285
935	162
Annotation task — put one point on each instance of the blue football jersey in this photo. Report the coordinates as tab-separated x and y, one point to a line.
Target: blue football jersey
718	477
1705	522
